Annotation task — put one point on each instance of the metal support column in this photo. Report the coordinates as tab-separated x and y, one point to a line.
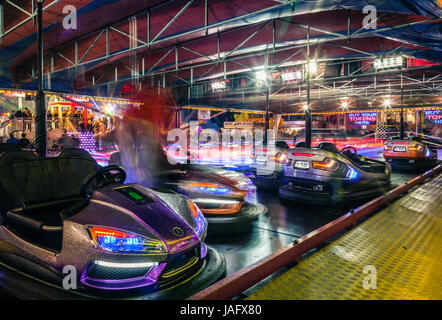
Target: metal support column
418	123
40	106
2	22
267	117
308	116
402	129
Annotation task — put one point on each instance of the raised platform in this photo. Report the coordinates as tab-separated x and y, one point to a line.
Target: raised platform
403	242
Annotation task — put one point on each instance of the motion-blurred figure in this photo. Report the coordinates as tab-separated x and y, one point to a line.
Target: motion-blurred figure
141	136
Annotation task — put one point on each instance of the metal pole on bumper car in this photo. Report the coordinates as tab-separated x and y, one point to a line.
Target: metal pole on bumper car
308	116
40	107
402	109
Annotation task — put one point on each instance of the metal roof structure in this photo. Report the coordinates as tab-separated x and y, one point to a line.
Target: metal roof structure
188	44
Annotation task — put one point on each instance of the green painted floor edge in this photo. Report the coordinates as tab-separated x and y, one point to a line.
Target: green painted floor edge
399	248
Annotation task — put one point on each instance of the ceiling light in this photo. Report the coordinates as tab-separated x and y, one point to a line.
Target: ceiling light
261	75
387	103
312	67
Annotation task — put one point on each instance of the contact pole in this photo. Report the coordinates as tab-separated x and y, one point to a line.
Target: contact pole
308	116
40	106
402	129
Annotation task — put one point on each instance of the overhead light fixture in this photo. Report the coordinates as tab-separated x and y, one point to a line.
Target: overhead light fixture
387	103
311	67
109	109
344	105
305	107
261	75
390	63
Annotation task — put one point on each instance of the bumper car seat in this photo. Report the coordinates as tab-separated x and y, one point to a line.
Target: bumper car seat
9	147
328	146
36	193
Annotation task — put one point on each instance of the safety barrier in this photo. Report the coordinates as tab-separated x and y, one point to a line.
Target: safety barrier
245	278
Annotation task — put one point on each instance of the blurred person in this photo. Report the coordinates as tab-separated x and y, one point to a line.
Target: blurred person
12	139
24	142
139	139
66	141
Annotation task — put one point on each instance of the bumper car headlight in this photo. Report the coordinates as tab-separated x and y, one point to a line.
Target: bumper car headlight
211	188
280	158
200	221
416	148
352	173
387	147
115	240
327	164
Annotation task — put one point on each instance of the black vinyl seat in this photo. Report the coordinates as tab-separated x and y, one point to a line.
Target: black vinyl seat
26	179
35	191
281	145
301	145
328	146
9	147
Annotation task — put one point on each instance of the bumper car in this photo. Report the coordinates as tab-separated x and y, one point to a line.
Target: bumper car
325	176
66	216
409	154
269	179
224	197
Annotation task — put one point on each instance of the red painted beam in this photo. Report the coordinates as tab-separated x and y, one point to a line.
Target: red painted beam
245	278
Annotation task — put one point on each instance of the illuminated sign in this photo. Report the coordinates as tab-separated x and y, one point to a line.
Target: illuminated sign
134	195
219	85
388	63
434	115
363	118
203	114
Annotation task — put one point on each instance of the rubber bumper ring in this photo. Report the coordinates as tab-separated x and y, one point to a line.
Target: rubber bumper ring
262	183
235	223
19	285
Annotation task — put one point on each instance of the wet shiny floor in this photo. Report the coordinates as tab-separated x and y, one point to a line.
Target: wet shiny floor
284	222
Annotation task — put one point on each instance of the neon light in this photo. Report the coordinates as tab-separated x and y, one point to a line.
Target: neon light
126	265
327	164
200	222
211	188
428	153
194	209
363	118
352	174
215	201
120	241
300	154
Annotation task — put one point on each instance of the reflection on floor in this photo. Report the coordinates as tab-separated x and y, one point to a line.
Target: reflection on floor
284	222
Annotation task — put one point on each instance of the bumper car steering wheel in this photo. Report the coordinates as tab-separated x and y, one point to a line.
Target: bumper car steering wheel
102	177
350	149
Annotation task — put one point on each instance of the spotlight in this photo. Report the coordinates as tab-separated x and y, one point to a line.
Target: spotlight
261	75
345	105
305	107
109	109
312	67
387	103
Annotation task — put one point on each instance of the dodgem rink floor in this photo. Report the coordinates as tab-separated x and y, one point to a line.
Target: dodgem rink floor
402	240
284	222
